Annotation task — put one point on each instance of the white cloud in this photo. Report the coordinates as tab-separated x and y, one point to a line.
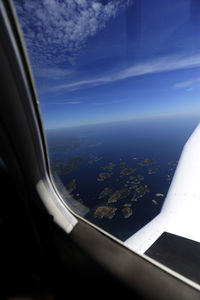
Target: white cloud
60	102
52	73
55	30
189	89
158	65
188	84
72	102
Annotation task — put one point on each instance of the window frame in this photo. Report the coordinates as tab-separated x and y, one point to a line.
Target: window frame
24	127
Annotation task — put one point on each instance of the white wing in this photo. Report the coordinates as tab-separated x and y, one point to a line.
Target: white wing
180	213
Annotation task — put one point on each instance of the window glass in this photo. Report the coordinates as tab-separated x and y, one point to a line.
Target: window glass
118	84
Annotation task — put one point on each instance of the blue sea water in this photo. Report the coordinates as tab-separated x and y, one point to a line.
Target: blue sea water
160	139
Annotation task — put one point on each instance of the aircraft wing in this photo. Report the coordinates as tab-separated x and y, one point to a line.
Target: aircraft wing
173	237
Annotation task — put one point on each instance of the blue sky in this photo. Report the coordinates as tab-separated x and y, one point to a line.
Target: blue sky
101	61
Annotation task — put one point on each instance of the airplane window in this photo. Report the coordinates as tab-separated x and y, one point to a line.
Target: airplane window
118	85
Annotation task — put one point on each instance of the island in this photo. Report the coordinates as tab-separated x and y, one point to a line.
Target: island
72	163
152	170
127	171
123	165
94	159
134	181
105	211
127	204
64	167
159	195
109	167
127	212
168	178
71	145
140	192
147	162
118	195
106	192
173	163
155	202
103	176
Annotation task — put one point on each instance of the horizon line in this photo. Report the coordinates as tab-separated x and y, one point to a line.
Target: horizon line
194	114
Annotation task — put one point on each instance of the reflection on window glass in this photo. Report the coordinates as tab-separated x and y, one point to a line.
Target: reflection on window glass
118	84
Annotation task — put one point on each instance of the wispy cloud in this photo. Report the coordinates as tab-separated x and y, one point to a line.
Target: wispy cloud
52	73
60	102
56	30
72	102
188	85
162	64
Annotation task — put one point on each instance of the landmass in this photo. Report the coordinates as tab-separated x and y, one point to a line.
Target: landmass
127	204
134	181
127	212
127	171
118	195
147	162
64	167
72	144
140	192
159	195
94	159
72	163
136	178
155	202
106	192
103	176
123	165
173	163
105	212
152	170
110	166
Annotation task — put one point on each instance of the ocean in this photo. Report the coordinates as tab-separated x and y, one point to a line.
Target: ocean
119	172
